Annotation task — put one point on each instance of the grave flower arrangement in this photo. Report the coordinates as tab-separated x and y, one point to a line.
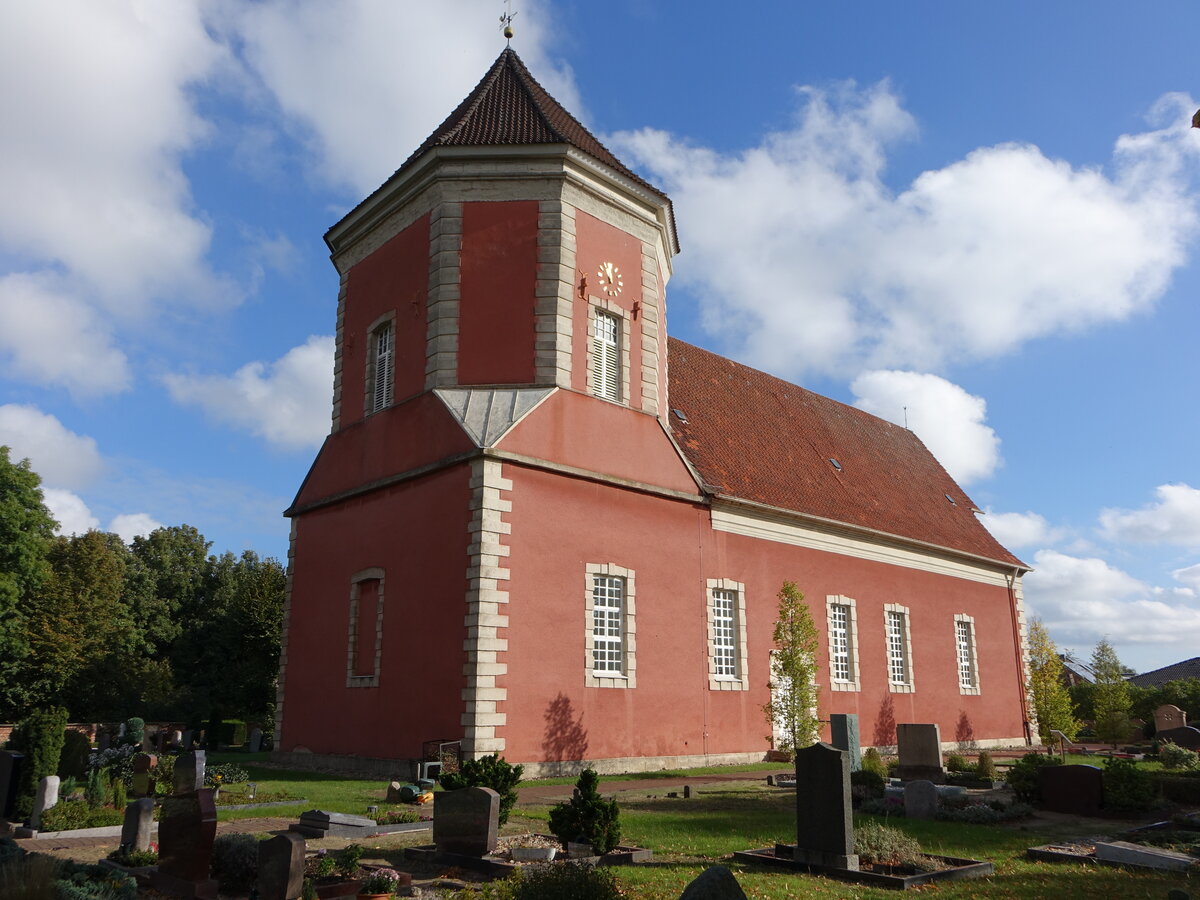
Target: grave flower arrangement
380	882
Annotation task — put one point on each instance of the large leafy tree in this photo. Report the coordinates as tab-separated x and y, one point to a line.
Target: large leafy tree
792	710
1047	693
1110	695
26	529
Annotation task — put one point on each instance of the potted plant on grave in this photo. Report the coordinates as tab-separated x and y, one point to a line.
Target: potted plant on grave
379	885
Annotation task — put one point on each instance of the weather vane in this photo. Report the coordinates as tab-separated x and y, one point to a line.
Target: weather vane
507	18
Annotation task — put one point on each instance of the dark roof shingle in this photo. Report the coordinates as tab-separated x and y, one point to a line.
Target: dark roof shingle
1188	668
755	437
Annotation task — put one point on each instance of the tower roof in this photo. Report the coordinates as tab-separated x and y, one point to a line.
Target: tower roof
508	106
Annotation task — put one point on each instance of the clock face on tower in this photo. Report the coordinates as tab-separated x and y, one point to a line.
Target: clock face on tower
610	278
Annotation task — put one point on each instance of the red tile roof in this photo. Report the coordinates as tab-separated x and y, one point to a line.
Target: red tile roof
756	437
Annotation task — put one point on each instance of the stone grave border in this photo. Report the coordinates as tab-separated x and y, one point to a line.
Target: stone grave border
622	855
960	869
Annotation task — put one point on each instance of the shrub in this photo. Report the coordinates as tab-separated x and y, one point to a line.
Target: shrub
1182	789
398	817
956	762
235	861
381	881
72	814
135	730
1023	776
90	882
1126	787
309	891
134	859
489	772
164	774
118	794
117	761
42	734
9	850
1172	756
985	814
588	816
866	784
73	761
348	859
223	773
96	793
873	762
985	767
881	845
569	881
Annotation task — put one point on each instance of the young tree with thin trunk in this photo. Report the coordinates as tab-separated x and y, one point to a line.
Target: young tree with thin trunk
1111	694
1047	694
792	709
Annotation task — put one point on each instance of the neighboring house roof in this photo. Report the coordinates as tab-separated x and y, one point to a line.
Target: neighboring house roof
1188	668
1080	670
755	437
509	108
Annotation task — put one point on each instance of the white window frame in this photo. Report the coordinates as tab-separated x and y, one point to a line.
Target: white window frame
608	366
627	676
727	636
381	367
841	614
352	680
897	631
966	655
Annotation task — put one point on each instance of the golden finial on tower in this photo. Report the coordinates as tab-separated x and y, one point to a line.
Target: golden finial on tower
507	18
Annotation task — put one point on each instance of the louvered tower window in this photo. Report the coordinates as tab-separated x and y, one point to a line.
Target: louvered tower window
606	357
382	368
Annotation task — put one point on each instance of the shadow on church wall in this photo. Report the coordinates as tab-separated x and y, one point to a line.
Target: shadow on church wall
565	737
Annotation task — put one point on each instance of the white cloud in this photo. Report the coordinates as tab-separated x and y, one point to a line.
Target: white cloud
1174	519
950	421
51	336
69	510
61	457
288	402
1025	529
92	142
131	525
367	81
804	259
1084	599
1189	576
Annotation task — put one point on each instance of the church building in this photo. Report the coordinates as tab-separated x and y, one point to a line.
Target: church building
542	527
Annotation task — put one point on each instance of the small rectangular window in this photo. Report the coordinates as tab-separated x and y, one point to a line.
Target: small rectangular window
608	612
606	356
382	367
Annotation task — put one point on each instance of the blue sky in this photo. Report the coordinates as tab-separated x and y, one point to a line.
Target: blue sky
981	216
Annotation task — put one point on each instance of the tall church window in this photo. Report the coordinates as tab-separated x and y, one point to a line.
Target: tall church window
381	368
842	628
899	648
606	356
365	645
964	651
610	638
727	635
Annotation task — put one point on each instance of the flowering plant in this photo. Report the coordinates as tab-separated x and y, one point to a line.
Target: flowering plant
381	881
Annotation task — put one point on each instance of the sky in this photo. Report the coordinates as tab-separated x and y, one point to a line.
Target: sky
979	220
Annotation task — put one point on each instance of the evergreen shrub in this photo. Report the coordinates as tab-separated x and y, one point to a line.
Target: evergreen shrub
873	762
135	730
73	761
1023	776
235	861
568	881
587	816
866	784
986	768
490	772
42	734
1127	788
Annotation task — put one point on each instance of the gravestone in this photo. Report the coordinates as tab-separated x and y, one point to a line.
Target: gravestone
920	800
187	738
1167	717
466	821
714	883
281	867
138	825
843	734
824	826
189	772
920	749
1187	736
104	740
317	823
1072	789
176	739
47	796
255	740
143	782
393	792
12	766
1128	854
185	840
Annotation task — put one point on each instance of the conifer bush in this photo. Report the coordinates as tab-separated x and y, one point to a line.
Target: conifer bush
41	738
587	816
490	772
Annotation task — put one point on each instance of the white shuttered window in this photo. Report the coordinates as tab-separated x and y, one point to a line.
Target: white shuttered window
382	370
606	357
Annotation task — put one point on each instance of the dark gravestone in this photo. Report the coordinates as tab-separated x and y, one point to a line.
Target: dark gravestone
185	840
1072	789
12	765
714	883
920	750
317	823
143	782
466	821
920	800
189	772
281	867
824	827
139	820
1187	736
843	734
